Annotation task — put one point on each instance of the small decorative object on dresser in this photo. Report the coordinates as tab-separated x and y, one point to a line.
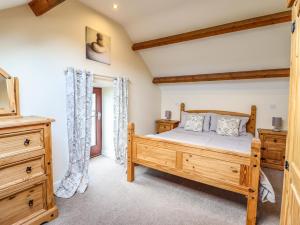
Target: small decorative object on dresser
26	183
168	114
277	123
273	144
165	125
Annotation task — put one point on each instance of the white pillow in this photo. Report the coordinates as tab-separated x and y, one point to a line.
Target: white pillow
194	123
228	126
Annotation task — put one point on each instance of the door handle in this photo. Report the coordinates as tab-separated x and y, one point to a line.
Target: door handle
99	116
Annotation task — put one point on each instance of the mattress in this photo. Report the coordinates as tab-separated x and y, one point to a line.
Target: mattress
241	144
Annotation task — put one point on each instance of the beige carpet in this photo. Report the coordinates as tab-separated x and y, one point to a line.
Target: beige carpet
156	198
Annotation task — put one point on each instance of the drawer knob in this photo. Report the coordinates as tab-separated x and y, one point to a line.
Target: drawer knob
30	203
275	140
28	169
27	142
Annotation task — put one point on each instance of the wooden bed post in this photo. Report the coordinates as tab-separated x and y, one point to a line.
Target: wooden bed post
182	108
130	164
254	182
251	125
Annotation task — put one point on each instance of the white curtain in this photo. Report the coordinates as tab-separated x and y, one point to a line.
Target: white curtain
79	110
120	86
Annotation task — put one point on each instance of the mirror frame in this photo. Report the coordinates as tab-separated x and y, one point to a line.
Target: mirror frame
13	95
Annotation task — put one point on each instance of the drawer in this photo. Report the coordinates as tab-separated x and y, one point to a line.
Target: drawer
211	168
273	147
272	161
23	204
17	173
21	142
275	139
156	155
164	127
273	155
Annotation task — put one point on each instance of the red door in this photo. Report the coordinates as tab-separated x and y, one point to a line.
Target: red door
96	141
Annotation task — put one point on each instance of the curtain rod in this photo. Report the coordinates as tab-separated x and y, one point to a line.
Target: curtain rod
100	76
103	77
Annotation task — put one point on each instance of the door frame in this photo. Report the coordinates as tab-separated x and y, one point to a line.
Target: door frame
290	172
96	150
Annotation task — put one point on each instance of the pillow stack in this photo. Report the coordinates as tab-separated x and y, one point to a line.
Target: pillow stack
221	124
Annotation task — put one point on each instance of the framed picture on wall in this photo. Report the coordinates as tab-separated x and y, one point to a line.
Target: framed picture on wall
98	46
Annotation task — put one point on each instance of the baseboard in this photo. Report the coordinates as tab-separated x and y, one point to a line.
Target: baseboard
109	153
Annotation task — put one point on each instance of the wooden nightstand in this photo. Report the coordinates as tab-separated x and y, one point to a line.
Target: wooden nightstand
165	125
273	144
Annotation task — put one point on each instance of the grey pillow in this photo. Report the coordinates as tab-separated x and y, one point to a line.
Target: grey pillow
185	116
242	127
206	124
213	122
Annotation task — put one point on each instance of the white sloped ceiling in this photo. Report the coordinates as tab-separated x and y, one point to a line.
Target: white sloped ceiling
261	48
5	4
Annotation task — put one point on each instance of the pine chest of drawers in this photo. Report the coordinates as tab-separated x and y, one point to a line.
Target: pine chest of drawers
273	145
165	125
26	183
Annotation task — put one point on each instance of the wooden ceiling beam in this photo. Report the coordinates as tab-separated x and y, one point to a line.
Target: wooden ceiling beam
290	3
257	74
217	30
39	7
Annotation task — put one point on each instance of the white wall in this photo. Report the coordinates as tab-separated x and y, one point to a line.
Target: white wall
39	49
270	96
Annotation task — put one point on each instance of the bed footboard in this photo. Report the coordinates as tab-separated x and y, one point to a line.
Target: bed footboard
236	172
130	164
254	182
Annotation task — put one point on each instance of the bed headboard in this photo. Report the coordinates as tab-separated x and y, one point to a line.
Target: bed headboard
251	125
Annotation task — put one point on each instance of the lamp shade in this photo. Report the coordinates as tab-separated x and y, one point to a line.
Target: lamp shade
168	114
277	123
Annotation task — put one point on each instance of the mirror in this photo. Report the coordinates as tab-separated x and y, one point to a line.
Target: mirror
4	100
9	105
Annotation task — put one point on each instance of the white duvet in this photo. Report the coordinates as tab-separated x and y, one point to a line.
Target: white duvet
208	139
241	144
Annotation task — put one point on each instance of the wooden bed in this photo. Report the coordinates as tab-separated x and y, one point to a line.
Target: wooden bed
229	170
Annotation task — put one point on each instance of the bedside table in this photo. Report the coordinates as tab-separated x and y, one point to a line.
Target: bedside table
165	125
273	145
